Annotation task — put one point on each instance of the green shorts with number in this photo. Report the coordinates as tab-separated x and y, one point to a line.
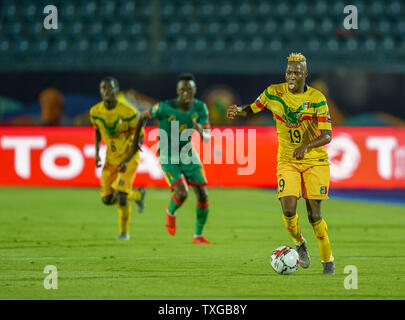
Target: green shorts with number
193	173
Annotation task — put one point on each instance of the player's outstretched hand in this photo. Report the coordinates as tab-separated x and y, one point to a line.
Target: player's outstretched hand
232	111
123	166
300	152
98	161
197	126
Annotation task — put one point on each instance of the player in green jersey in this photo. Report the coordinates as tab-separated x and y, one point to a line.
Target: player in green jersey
178	119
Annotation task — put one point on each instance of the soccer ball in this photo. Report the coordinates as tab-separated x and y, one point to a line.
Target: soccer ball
285	260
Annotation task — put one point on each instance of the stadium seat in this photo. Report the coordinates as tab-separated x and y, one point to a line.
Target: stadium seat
76	29
394	10
301	10
81	45
40	46
60	45
370	45
256	44
139	46
199	45
231	29
238	46
332	45
193	29
114	29
126	10
21	46
69	10
225	10
99	46
213	28
251	28
89	10
320	9
107	10
29	11
186	11
120	45
95	29
206	11
134	29
383	28
4	46
9	10
399	29
14	29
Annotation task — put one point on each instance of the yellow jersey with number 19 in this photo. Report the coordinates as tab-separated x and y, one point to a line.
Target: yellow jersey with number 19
116	127
298	118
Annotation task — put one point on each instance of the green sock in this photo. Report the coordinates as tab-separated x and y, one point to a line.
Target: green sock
174	205
202	214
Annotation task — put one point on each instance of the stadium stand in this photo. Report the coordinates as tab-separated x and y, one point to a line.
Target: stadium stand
97	32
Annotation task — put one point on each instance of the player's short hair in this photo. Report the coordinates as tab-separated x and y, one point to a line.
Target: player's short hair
113	80
296	57
186	77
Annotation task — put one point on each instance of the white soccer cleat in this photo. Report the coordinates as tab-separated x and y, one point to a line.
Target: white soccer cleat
123	236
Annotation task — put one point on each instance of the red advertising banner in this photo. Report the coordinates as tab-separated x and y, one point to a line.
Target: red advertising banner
361	157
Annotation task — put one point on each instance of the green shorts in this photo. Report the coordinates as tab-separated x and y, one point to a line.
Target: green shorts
193	173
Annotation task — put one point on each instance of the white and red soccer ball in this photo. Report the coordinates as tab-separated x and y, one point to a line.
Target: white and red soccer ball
285	260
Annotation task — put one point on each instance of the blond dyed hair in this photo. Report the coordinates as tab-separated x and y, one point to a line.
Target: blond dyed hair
296	57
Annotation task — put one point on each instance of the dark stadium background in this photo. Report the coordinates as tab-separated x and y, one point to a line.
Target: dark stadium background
234	48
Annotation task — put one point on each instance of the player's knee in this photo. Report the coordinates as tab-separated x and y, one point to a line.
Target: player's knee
122	198
314	217
289	212
314	210
181	195
289	206
203	197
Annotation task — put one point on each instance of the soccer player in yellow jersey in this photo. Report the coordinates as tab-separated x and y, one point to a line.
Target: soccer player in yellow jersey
303	127
114	122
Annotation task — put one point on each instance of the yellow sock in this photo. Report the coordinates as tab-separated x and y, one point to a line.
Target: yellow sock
124	218
321	233
294	229
134	195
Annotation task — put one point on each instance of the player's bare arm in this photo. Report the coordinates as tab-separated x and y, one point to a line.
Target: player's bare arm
136	142
239	111
323	139
97	138
203	132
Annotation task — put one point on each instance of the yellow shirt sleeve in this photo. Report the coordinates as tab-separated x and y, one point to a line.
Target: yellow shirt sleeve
322	113
261	102
92	120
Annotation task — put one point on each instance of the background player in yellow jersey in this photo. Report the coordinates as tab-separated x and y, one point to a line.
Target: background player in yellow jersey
114	122
299	112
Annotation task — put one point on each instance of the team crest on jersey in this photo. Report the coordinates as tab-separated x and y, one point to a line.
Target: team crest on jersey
291	117
171	118
279	94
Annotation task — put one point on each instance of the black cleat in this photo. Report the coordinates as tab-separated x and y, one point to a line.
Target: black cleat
328	267
305	259
140	204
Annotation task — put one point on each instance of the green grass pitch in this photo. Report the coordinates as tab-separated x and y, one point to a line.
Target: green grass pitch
72	230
